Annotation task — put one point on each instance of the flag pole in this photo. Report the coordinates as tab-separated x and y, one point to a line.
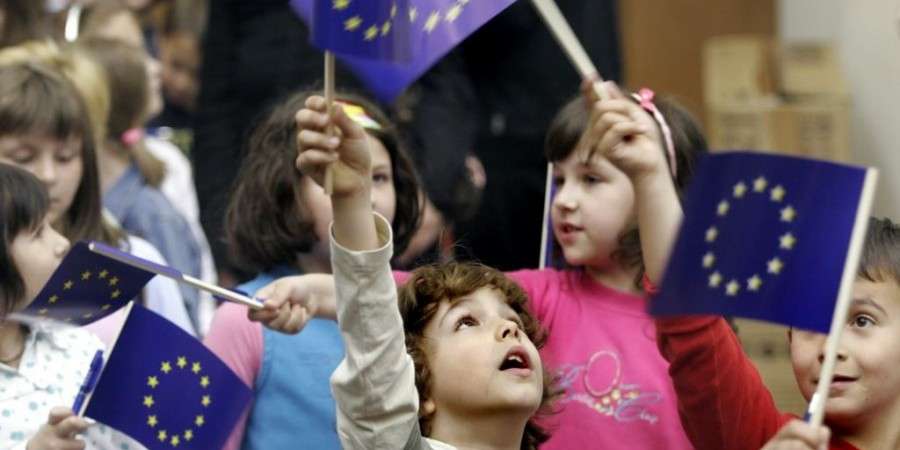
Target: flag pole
816	411
579	58
563	33
545	229
329	100
169	272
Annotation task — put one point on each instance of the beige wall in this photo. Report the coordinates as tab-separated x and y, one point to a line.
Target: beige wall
866	34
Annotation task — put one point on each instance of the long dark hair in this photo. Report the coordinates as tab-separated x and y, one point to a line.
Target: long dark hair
23	206
36	99
567	127
265	226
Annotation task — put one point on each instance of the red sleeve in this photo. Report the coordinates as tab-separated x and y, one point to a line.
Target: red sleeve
238	341
722	400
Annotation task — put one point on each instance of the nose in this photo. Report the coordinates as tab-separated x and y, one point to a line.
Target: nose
62	246
564	199
507	330
823	348
45	170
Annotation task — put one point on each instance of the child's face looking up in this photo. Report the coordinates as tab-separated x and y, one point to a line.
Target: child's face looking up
36	254
57	163
866	377
480	359
384	198
594	203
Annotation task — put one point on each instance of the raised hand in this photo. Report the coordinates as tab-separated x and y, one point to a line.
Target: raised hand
620	130
347	149
799	435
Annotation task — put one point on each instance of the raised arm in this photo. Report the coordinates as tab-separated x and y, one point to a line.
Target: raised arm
623	132
374	385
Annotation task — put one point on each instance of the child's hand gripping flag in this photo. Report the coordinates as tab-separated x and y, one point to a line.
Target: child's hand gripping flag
390	44
765	237
165	389
86	287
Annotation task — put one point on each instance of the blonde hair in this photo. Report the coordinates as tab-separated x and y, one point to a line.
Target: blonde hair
88	78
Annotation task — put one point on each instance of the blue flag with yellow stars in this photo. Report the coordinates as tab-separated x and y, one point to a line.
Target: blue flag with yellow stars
764	237
87	287
431	28
165	389
365	28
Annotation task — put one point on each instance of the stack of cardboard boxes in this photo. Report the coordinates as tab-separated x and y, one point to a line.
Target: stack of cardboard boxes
771	96
787	98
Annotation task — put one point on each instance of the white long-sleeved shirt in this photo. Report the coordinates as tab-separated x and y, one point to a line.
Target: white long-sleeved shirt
374	385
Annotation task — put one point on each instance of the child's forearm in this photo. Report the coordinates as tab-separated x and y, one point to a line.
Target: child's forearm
354	227
659	216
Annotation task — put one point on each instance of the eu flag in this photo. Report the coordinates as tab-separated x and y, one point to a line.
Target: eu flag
87	287
165	389
764	237
432	29
366	28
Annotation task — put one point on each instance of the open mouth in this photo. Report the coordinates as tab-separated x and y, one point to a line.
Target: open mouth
839	379
517	358
568	228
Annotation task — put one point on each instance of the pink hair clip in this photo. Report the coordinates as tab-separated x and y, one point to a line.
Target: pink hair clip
644	97
132	136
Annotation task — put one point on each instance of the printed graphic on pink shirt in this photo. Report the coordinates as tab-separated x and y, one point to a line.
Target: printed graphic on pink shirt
598	384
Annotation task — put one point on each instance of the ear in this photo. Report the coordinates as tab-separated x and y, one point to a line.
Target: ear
790	333
428	408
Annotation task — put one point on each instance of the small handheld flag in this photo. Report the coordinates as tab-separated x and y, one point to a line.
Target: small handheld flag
165	389
432	28
364	28
86	287
764	237
153	268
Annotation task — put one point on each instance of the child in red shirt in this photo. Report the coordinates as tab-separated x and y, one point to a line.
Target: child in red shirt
724	404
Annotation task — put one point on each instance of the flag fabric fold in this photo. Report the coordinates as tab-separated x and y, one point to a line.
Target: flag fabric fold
86	287
423	31
165	389
764	237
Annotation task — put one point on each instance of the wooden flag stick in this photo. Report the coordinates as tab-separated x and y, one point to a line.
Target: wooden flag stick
816	410
218	291
545	228
329	100
563	33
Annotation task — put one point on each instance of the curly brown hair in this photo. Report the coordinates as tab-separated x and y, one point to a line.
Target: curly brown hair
419	300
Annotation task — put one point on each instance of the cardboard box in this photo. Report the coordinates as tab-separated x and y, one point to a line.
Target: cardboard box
810	69
738	68
816	127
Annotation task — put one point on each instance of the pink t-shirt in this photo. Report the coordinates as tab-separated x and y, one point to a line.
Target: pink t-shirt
239	342
602	346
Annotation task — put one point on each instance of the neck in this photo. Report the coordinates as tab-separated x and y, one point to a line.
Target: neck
12	343
614	276
112	162
483	432
879	431
314	262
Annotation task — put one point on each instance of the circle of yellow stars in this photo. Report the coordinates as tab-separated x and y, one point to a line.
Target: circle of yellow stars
111	281
169	436
786	241
372	30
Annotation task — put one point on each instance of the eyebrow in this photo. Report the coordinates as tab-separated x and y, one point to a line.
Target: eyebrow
870	302
453	305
